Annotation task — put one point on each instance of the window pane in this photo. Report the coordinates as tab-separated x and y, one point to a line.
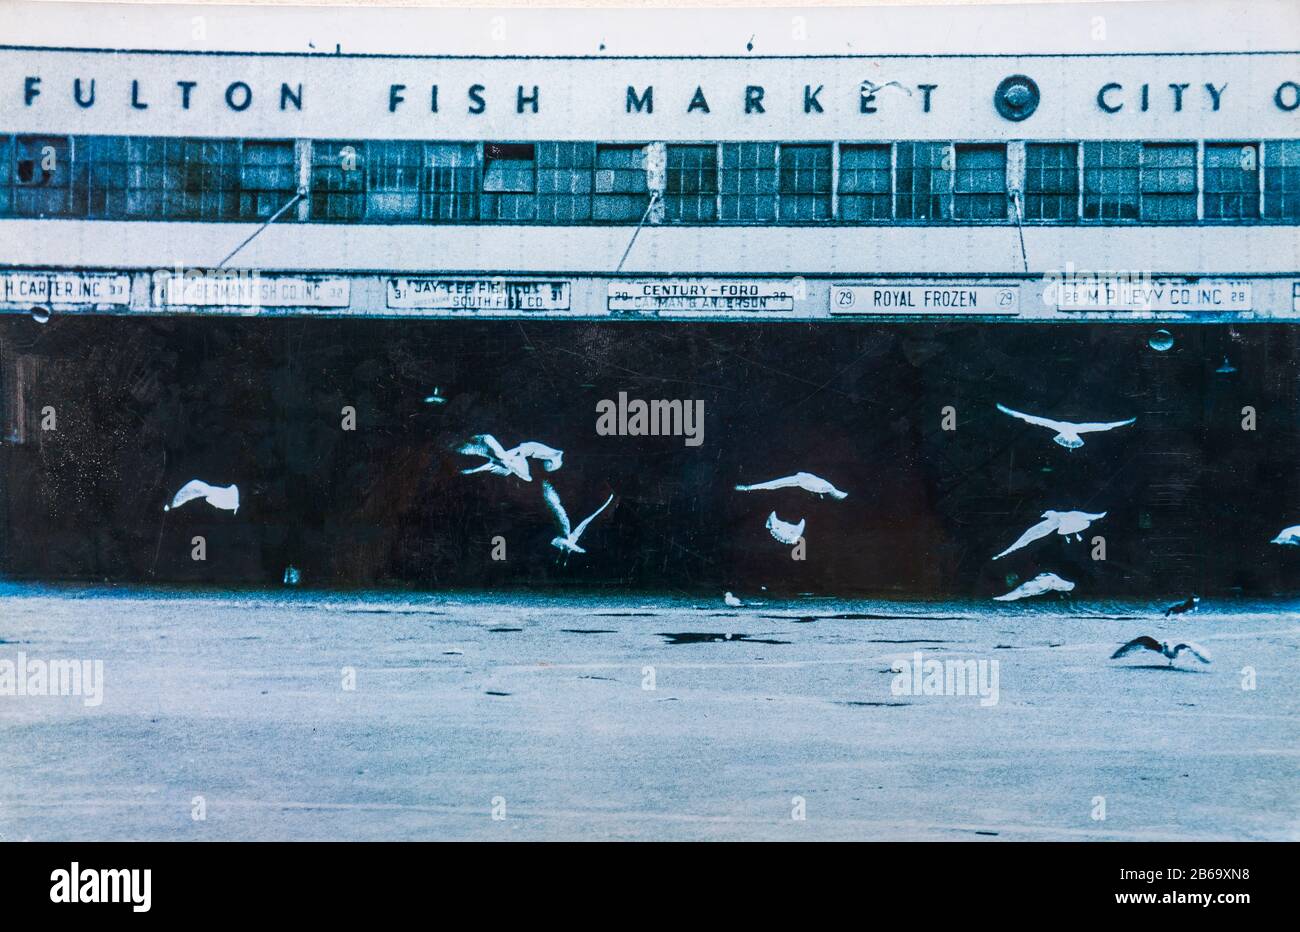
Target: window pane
805	182
509	181
1282	179
748	181
1051	181
980	183
564	176
392	180
865	189
42	172
1169	182
692	184
268	178
338	190
1231	181
622	191
6	174
924	181
1110	180
450	182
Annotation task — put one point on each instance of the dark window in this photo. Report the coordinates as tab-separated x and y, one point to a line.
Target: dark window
338	181
43	178
865	188
622	190
805	182
691	195
268	178
748	181
509	181
1231	181
1282	180
1051	181
1169	182
101	175
564	176
924	180
1110	180
980	182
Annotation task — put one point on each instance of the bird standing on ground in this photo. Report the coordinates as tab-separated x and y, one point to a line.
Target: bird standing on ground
1146	642
223	497
800	480
568	543
1065	523
1067	432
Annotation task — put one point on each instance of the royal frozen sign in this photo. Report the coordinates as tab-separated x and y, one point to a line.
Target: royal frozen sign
1136	294
28	289
704	296
923	299
496	294
249	290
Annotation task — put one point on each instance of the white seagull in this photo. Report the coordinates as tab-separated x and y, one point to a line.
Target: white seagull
1067	432
1064	523
1043	582
732	601
1288	537
568	543
870	87
513	462
223	497
784	531
1162	647
800	480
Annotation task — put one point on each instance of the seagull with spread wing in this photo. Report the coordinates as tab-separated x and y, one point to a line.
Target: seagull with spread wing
784	531
1065	523
1146	642
224	497
568	543
1067	432
1288	536
513	462
800	480
1043	582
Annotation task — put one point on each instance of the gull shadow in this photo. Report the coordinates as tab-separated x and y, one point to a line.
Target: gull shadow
708	637
1162	667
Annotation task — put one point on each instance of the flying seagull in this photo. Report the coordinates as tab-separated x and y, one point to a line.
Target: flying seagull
1067	432
513	462
1186	606
784	531
870	87
1162	647
223	497
1043	582
437	398
568	543
1064	523
1288	537
800	480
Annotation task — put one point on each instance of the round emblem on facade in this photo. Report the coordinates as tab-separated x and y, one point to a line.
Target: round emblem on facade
1016	97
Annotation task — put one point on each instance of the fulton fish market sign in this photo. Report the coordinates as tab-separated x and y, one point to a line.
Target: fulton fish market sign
611	99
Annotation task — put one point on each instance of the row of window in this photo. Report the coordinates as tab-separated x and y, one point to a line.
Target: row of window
146	178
